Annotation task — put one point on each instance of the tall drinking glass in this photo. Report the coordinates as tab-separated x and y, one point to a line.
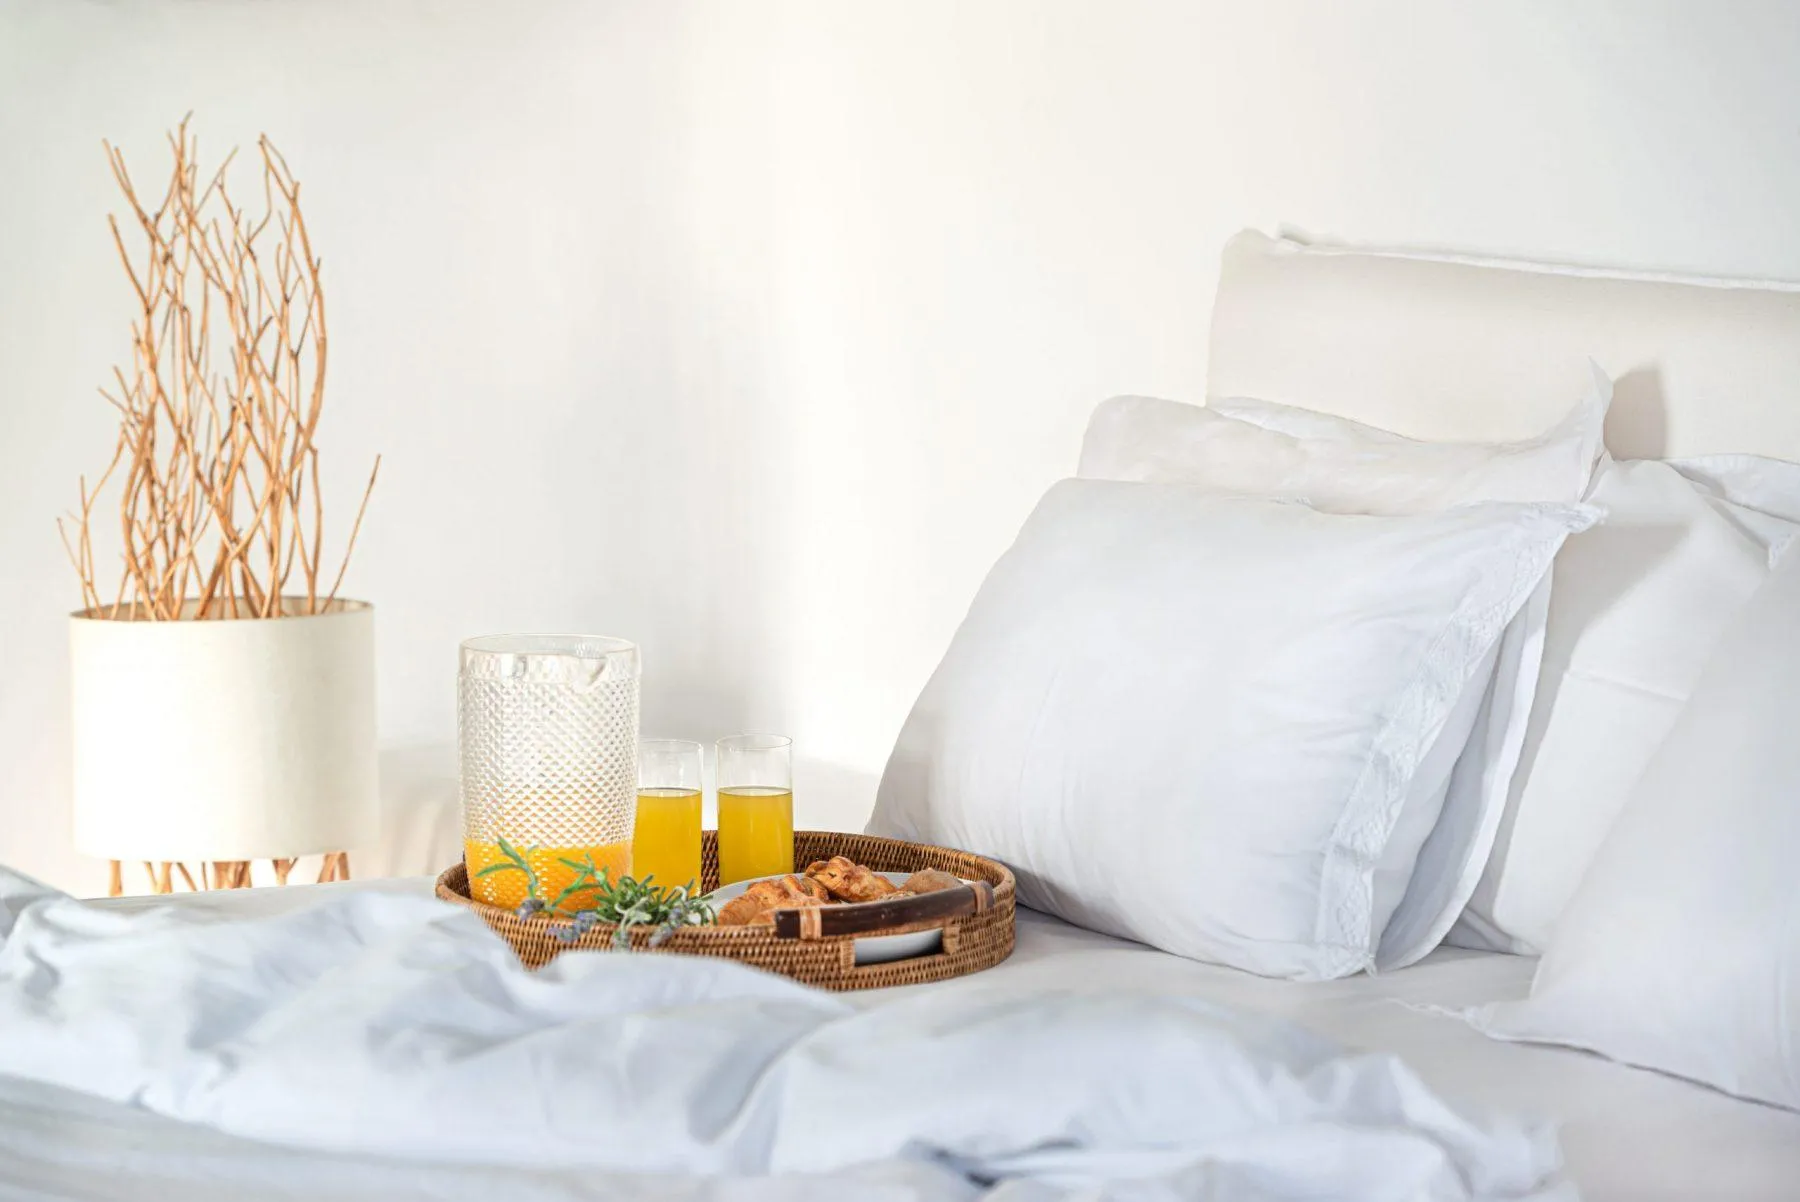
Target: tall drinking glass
756	806
665	847
547	729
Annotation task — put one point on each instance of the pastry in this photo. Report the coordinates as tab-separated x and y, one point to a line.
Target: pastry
849	881
758	903
739	911
931	880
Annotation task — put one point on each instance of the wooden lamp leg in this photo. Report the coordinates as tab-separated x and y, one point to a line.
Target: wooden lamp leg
219	874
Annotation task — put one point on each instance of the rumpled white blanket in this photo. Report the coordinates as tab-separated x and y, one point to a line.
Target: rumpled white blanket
393	1044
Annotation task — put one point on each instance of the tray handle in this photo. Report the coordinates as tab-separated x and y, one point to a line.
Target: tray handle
863	918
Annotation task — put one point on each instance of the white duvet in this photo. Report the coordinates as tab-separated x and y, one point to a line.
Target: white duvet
379	1045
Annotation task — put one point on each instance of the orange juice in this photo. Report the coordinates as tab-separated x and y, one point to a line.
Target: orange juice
509	888
666	842
756	832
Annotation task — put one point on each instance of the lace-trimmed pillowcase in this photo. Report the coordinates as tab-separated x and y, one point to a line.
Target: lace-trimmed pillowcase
1196	720
1260	448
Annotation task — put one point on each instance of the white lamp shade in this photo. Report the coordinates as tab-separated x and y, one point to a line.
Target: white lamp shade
237	739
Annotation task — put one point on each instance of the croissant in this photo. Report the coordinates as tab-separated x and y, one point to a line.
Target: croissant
849	881
739	911
759	902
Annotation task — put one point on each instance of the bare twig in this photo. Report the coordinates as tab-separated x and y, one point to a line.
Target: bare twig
202	443
354	529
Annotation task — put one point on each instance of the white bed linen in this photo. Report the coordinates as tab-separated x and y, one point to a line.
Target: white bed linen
56	1144
1627	1135
402	1028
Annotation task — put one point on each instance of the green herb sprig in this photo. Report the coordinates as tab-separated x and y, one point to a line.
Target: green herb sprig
628	902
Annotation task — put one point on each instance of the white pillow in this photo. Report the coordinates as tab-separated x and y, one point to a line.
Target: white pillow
1262	448
1195	720
1258	448
1639	603
1681	950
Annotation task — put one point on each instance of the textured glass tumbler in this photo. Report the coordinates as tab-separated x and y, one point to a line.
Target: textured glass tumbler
547	728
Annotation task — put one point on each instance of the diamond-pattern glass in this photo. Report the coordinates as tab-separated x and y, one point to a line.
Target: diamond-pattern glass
548	728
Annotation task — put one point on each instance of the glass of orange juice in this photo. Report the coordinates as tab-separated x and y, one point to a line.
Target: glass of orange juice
547	732
756	806
665	843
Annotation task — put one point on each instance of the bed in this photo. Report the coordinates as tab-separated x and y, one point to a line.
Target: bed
1700	371
1627	1135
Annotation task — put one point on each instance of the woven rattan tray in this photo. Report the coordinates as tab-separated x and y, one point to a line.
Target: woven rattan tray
978	933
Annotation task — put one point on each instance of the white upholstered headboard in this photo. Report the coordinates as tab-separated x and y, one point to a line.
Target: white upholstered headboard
1460	349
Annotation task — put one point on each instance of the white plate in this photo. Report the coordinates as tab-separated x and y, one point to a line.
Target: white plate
870	949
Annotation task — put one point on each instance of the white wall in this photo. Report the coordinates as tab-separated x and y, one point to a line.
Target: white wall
752	330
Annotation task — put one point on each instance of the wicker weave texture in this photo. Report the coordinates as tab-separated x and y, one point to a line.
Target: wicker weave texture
971	943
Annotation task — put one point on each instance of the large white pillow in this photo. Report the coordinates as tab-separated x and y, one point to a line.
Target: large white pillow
1639	603
1195	720
1681	950
1257	447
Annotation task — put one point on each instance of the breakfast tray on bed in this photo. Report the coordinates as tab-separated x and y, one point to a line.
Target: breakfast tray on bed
816	946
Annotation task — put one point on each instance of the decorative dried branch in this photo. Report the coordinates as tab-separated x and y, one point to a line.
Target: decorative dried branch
220	502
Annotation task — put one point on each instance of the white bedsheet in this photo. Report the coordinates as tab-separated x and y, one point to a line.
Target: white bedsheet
397	1029
1627	1135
